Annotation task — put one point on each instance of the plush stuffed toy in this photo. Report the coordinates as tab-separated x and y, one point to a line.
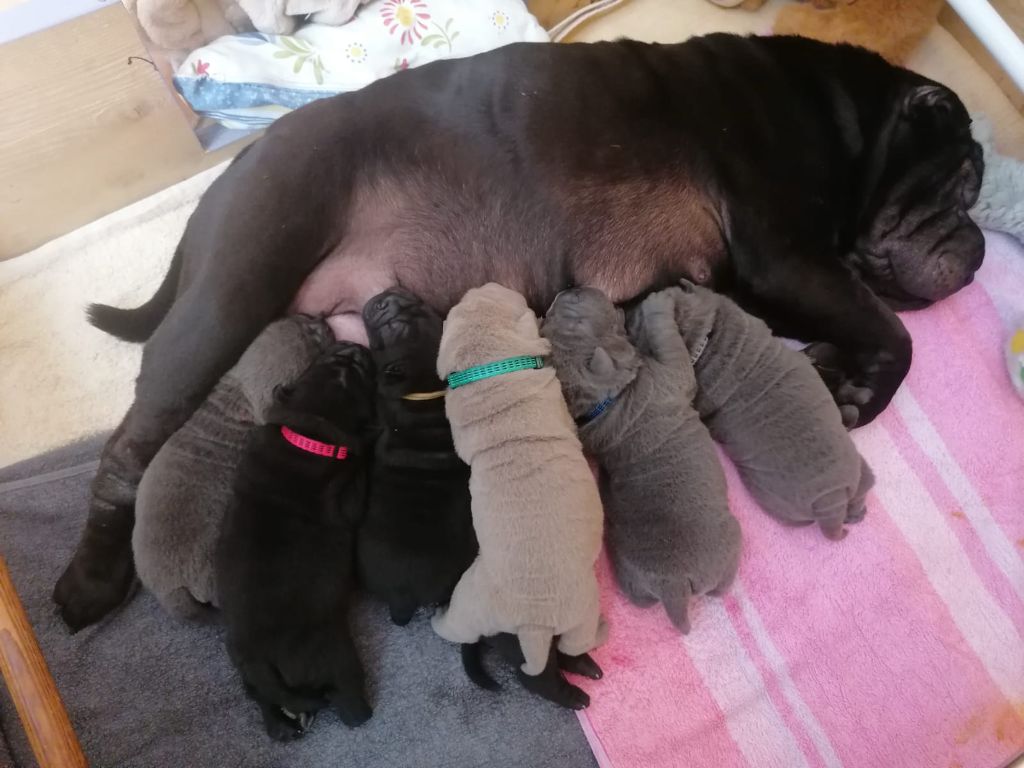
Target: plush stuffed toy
1000	205
184	25
1000	208
892	28
535	504
186	490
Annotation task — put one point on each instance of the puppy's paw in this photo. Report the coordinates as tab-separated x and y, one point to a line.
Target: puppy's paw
353	711
571	697
282	725
581	665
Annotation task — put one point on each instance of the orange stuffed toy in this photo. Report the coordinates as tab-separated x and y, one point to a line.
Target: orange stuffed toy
893	28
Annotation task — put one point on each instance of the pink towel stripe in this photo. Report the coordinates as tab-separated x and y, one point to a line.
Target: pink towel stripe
902	646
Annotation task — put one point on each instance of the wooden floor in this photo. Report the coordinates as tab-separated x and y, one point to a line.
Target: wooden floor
85	132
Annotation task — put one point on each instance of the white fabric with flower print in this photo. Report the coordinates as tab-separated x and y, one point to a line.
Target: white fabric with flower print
251	79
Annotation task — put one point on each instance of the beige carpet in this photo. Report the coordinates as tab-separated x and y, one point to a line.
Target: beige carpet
61	379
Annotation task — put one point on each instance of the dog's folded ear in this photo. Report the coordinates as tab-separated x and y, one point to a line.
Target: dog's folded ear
933	105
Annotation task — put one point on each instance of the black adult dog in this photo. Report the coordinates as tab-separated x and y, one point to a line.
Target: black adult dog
816	184
285	558
417	537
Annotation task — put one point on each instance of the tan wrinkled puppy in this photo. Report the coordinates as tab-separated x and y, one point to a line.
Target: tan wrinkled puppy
536	507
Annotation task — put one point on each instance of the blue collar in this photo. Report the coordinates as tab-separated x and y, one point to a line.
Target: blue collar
596	411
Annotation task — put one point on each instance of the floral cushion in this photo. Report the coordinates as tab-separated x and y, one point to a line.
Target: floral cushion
248	80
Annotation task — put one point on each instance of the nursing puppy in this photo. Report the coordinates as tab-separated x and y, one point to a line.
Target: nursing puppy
536	509
186	490
285	560
417	538
669	531
772	414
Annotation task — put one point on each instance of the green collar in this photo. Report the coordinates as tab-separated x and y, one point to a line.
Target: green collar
490	370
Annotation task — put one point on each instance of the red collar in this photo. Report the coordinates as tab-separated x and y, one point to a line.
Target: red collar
309	445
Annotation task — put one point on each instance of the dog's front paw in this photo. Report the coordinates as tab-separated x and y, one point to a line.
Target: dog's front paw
851	396
96	581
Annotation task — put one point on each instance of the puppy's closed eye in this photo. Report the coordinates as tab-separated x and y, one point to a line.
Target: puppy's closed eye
394	372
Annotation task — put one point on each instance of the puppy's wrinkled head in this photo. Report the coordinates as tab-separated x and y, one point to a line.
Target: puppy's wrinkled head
592	354
334	394
404	336
491	323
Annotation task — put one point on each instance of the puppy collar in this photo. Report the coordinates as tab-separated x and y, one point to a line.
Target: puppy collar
420	396
596	411
490	370
309	445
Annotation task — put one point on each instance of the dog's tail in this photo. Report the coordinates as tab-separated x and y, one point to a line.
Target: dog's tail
472	662
138	324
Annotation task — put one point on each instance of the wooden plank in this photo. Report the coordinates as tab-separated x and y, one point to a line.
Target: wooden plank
31	686
84	132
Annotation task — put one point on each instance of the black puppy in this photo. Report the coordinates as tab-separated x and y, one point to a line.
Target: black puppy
549	684
417	538
285	560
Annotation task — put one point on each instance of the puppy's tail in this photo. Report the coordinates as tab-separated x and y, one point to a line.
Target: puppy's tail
472	662
138	324
535	642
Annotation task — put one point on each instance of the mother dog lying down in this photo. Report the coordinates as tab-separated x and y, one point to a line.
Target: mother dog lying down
820	192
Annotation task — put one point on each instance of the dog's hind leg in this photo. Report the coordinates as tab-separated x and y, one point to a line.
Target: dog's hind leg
241	265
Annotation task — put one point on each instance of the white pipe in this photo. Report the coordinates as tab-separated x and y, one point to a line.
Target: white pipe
995	34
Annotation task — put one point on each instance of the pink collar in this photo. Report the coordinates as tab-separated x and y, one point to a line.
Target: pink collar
314	446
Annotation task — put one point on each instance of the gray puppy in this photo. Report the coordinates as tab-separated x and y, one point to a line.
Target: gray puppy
186	490
773	415
668	527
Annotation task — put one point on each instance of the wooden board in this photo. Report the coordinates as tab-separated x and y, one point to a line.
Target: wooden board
84	132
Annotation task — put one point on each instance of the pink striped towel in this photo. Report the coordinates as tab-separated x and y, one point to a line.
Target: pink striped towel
900	647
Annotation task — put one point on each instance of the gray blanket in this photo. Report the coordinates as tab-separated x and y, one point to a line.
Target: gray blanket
145	691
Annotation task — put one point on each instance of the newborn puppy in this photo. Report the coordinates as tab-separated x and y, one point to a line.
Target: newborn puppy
417	538
536	509
669	532
285	561
773	415
187	488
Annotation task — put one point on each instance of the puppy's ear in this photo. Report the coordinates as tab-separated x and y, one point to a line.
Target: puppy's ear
282	393
601	363
527	325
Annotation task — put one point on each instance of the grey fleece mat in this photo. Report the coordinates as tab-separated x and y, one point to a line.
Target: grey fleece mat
145	691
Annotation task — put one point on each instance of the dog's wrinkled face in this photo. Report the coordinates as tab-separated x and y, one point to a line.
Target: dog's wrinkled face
336	388
917	244
490	323
404	336
593	356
